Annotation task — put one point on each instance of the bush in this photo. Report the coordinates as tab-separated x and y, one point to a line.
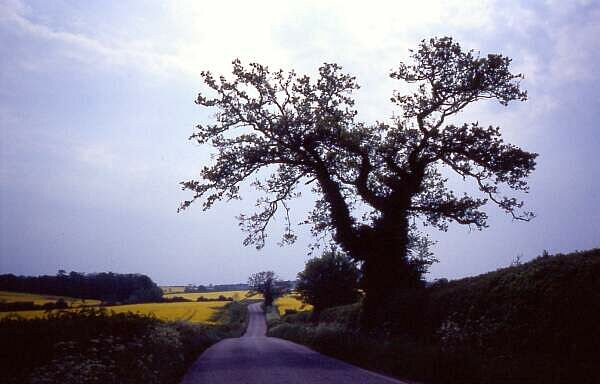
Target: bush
346	315
328	281
298	317
30	305
529	323
91	346
551	303
175	299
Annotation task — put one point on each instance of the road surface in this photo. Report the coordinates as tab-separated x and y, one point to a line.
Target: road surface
255	358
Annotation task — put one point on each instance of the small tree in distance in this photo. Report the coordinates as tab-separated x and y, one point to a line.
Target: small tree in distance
329	281
267	284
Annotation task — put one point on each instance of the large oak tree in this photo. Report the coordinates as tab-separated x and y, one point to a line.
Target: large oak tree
280	130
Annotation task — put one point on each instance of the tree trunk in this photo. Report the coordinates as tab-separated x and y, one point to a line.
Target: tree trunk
388	278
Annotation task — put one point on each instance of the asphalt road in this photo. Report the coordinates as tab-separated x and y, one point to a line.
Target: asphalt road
255	358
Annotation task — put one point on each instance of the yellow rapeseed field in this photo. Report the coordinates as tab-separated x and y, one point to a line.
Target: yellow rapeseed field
235	295
195	312
11	297
291	301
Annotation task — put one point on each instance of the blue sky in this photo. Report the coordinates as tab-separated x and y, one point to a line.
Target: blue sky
96	104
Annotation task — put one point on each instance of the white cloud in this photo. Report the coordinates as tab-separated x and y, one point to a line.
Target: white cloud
85	49
210	34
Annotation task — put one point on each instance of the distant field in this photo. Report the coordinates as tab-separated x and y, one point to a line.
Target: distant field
172	288
195	312
235	295
292	302
38	299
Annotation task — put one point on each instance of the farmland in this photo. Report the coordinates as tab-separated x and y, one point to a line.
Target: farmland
172	289
235	295
195	312
291	302
38	299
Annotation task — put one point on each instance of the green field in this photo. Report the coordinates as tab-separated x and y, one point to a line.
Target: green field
38	299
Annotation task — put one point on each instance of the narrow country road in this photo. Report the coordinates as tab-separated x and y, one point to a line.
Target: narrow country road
255	358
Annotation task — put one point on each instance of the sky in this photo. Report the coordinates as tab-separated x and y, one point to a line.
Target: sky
97	103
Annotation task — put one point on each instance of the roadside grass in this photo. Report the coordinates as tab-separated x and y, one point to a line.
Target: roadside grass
38	299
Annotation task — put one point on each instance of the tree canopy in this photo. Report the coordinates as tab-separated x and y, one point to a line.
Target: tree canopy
267	284
279	130
328	281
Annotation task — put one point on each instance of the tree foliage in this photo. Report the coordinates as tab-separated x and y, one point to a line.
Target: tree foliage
267	284
371	181
105	286
328	281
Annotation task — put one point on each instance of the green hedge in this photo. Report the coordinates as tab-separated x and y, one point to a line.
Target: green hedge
92	346
551	304
531	323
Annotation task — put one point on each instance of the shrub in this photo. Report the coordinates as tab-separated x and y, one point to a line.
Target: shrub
328	281
91	346
297	317
533	322
346	315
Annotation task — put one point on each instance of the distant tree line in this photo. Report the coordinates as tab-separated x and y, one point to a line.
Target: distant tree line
226	287
216	288
108	287
220	298
30	305
181	299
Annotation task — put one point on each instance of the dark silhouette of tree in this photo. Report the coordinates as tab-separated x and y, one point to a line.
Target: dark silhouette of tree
371	180
329	281
267	284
